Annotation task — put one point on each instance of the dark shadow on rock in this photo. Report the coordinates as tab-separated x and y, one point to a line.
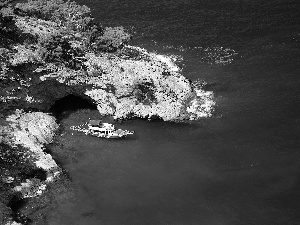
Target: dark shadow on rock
15	204
37	173
65	106
48	92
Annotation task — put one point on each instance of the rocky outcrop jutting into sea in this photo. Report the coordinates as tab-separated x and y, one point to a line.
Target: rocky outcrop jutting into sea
126	82
150	86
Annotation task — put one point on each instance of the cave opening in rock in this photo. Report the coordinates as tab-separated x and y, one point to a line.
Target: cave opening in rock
70	103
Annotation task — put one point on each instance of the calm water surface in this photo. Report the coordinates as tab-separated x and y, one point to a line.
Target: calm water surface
240	167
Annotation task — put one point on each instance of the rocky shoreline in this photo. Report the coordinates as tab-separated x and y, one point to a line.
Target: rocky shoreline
51	50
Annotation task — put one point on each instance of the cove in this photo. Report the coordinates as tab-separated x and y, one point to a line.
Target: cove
146	178
168	173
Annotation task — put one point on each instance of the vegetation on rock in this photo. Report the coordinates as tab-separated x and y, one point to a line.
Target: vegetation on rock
112	39
68	14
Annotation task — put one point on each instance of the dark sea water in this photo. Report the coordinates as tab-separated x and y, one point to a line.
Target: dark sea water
241	167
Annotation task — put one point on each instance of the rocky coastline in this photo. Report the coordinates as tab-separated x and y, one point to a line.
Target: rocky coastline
52	49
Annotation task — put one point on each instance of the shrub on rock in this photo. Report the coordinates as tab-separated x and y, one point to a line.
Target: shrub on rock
68	14
58	49
113	38
9	32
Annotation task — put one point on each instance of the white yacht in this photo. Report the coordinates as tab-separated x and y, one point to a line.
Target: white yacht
105	130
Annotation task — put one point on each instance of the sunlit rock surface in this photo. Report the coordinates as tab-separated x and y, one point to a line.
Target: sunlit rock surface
23	137
32	131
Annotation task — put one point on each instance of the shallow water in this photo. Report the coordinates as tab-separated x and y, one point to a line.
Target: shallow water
241	167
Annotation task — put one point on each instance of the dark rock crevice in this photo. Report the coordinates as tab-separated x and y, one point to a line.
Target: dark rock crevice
15	204
70	103
59	99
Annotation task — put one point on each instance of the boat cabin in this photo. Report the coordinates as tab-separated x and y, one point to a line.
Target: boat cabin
96	126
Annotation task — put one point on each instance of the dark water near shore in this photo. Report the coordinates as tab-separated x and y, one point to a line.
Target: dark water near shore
240	168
